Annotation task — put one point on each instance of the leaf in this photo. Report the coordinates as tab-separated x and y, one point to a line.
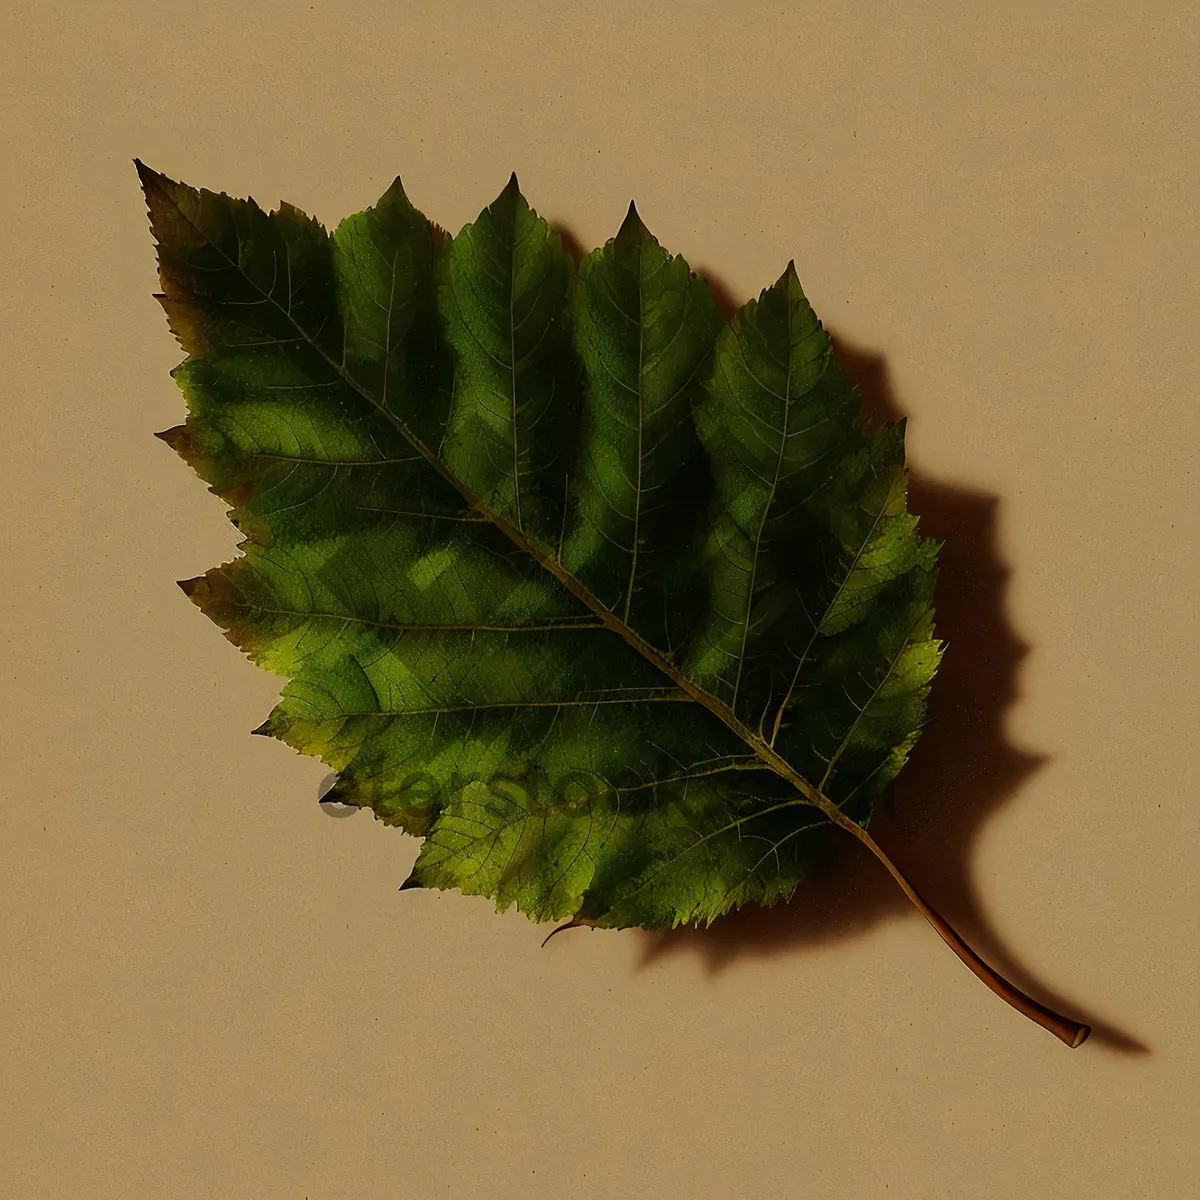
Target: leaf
617	605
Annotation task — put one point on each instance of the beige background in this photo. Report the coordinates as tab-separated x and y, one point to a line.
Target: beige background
211	989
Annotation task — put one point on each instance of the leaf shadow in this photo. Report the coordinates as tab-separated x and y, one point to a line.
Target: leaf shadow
962	770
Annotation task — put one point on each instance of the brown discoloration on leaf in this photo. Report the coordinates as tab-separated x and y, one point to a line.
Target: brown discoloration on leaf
218	598
179	438
239	495
186	323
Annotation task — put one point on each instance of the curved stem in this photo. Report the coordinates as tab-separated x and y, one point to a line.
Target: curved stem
1074	1033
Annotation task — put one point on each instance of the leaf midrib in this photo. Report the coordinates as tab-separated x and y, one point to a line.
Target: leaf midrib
808	793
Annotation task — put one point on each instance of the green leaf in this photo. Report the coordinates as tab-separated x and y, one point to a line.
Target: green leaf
619	607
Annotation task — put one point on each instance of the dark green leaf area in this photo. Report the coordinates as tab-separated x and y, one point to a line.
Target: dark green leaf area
819	620
644	328
516	386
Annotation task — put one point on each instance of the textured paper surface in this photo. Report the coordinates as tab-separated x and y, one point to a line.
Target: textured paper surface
212	989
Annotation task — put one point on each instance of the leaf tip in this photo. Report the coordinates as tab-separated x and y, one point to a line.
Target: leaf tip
508	201
633	231
633	220
148	176
409	884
